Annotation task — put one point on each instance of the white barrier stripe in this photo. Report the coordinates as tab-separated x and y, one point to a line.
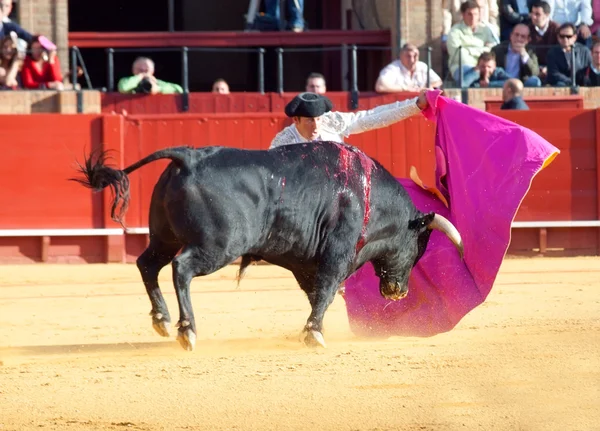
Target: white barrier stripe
567	223
59	232
146	231
138	230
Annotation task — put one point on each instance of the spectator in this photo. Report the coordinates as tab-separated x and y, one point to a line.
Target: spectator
41	68
512	95
143	80
220	86
488	13
315	83
559	57
295	9
590	76
516	59
513	12
488	75
10	63
407	73
7	7
467	40
543	32
7	26
577	12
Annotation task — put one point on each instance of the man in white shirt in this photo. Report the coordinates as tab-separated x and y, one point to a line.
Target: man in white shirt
314	120
407	73
577	12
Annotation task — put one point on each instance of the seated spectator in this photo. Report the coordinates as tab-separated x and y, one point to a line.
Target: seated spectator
6	25
220	86
41	68
513	12
315	83
518	61
543	33
512	95
7	6
577	12
590	76
488	15
467	40
559	57
407	73
488	75
10	63
143	80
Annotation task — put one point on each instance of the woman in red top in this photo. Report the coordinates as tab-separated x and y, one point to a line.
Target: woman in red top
41	69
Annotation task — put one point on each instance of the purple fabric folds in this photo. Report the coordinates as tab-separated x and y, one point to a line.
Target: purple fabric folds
484	168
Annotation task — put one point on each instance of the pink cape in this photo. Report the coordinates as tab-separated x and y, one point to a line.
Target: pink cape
488	164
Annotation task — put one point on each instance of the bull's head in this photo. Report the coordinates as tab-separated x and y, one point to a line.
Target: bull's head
394	277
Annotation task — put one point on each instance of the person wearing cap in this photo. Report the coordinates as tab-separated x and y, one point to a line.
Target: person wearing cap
314	119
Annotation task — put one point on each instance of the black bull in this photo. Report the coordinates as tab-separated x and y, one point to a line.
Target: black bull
320	210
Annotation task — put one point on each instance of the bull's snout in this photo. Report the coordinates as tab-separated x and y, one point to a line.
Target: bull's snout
393	291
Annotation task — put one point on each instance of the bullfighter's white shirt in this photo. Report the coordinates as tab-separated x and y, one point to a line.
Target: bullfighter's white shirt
335	126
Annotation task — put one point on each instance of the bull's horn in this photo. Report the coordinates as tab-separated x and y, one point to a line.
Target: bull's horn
442	224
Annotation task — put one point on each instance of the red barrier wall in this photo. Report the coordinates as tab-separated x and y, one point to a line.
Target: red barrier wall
135	104
39	153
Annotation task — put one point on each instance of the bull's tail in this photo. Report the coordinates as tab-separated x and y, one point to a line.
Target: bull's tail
97	175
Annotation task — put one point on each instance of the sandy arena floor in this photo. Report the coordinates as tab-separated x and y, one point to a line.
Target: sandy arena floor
77	352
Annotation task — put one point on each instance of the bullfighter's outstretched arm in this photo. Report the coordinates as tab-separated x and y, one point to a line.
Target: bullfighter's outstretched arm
349	123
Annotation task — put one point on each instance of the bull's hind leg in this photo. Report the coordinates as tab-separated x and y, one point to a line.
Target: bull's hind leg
151	261
192	262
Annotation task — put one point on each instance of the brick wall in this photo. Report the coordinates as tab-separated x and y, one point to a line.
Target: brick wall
421	23
44	101
50	18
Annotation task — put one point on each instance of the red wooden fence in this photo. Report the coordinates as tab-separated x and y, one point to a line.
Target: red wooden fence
39	153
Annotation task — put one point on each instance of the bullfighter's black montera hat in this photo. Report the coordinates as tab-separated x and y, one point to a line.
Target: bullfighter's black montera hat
308	105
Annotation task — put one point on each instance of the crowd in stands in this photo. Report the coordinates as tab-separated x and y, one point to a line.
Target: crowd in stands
27	61
508	44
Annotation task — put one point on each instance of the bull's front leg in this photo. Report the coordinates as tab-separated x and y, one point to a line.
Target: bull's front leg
321	291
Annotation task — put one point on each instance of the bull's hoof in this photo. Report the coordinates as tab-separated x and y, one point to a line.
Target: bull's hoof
314	339
161	324
187	339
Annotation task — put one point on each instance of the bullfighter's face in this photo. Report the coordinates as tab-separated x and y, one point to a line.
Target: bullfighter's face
308	127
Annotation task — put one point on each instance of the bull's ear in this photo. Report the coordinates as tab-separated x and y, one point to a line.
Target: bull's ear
422	222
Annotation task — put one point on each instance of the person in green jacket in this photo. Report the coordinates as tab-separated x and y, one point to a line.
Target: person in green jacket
144	81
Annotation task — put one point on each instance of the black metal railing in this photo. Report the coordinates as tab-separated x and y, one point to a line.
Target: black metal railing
449	79
350	54
353	49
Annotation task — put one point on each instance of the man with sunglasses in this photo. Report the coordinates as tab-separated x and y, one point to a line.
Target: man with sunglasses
560	58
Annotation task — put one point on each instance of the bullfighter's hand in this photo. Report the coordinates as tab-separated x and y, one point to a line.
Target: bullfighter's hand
422	100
